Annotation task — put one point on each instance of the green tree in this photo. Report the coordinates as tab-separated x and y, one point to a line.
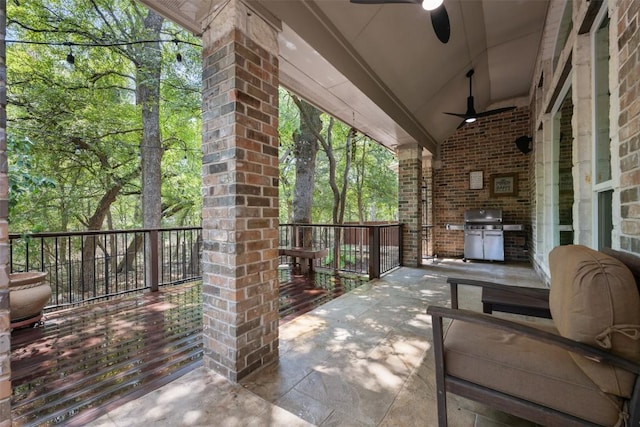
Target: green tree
355	179
94	126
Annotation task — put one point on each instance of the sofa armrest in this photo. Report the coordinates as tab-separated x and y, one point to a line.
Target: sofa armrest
593	353
455	281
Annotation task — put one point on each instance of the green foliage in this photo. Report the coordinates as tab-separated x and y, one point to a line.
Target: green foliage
375	171
347	258
21	179
75	130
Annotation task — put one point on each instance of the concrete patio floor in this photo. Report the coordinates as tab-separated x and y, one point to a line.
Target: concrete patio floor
364	359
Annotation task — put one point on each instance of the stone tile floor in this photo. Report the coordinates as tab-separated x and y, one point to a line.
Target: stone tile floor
364	359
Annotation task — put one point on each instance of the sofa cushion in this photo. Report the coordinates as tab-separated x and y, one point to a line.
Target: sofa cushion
528	369
631	261
594	300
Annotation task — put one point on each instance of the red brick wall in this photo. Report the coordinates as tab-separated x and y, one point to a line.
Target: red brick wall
488	145
240	205
410	203
629	121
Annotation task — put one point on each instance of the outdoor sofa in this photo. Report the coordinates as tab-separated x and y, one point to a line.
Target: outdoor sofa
580	369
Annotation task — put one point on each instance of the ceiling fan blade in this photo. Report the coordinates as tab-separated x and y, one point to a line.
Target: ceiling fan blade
471	114
464	116
385	1
496	111
440	22
439	16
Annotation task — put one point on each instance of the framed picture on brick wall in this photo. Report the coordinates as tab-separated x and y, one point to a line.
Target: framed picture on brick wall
475	180
504	184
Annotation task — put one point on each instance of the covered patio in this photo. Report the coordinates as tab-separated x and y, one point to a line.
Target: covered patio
363	359
570	69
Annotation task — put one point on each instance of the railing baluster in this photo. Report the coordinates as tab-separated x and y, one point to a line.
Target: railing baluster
70	295
106	265
184	256
153	241
26	262
56	270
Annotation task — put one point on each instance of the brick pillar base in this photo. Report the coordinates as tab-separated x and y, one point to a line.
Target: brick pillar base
240	192
409	202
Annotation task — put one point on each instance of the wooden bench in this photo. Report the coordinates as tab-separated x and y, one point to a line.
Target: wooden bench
304	253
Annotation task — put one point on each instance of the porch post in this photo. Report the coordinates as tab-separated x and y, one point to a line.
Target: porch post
409	202
240	191
5	329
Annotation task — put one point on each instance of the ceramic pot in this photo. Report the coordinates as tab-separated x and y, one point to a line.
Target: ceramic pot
29	292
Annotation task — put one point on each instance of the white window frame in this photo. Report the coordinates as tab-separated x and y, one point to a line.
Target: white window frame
604	186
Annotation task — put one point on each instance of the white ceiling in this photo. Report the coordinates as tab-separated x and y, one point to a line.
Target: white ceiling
381	68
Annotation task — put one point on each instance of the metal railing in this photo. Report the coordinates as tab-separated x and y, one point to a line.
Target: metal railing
368	249
93	265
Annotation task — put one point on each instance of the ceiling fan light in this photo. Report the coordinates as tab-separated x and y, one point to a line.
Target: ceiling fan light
431	4
470	119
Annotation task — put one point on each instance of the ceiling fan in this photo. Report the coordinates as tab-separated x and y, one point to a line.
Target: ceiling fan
471	115
439	15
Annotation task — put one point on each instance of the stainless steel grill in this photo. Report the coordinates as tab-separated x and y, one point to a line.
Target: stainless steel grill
483	234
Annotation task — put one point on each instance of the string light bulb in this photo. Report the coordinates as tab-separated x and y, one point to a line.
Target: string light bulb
70	58
178	55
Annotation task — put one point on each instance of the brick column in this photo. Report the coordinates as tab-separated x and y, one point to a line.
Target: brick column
5	331
240	191
409	202
627	51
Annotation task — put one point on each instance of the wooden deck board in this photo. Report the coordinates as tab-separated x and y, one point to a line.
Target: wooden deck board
87	360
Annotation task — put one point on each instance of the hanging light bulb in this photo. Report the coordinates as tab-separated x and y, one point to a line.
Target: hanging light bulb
77	150
431	4
70	58
178	55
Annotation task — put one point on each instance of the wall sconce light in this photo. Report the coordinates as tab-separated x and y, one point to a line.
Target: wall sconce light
524	144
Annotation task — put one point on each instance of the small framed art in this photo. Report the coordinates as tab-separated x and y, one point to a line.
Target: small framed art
504	184
475	180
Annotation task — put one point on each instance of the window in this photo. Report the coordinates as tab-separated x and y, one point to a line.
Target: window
603	186
601	89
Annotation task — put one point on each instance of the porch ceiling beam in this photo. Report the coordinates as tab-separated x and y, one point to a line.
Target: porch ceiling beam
307	20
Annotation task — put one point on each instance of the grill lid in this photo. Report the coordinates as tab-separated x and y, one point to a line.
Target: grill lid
485	216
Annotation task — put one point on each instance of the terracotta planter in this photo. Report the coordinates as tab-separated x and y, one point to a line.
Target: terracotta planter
29	292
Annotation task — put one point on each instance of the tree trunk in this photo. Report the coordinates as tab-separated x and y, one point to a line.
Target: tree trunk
345	176
148	98
90	243
360	169
305	150
128	262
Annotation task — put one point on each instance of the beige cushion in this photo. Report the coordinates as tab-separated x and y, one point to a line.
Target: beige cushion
527	369
631	261
594	300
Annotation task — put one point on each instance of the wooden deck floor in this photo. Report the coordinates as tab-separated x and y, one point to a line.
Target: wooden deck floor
86	360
